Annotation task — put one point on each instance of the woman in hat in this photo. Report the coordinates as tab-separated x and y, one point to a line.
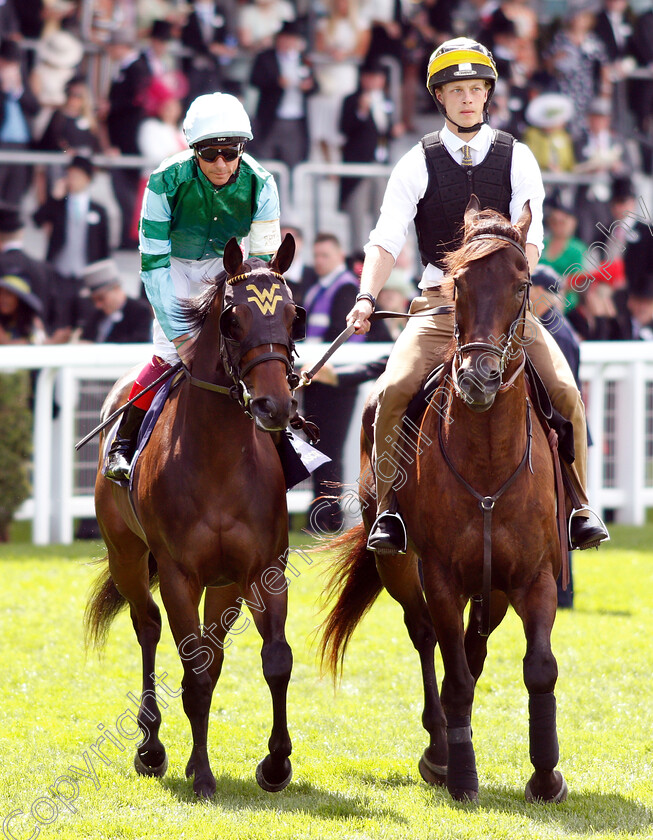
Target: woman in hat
20	311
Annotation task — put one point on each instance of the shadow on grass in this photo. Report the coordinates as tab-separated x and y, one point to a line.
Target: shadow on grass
583	812
235	794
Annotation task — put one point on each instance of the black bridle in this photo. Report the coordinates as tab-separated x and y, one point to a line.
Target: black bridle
502	351
232	350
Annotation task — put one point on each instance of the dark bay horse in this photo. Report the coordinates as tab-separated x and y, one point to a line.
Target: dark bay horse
208	510
478	459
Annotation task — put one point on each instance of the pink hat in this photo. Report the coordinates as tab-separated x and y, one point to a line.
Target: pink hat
163	88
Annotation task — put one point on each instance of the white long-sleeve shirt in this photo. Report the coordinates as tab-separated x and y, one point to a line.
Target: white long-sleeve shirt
409	179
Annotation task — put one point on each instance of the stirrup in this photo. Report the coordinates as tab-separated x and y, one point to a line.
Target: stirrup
390	549
594	514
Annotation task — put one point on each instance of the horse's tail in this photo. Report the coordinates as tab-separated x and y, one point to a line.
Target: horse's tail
105	602
355	584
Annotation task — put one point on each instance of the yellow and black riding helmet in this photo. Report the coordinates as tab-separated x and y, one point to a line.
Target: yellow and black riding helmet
456	60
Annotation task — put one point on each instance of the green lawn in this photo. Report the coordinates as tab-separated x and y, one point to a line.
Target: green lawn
356	751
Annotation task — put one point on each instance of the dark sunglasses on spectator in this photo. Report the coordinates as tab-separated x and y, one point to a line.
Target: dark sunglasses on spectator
211	153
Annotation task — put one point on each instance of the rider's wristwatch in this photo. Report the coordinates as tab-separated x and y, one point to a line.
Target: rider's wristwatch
367	296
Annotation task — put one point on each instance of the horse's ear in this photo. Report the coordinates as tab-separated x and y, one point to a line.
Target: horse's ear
283	258
473	207
524	221
232	258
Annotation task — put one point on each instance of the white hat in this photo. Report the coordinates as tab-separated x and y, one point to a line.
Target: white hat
218	116
61	49
549	110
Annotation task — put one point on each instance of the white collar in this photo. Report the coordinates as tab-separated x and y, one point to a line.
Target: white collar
454	142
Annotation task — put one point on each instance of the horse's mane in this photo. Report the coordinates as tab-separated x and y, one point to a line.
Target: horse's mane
485	222
195	310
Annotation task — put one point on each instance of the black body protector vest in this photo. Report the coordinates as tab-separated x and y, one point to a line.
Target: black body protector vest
439	217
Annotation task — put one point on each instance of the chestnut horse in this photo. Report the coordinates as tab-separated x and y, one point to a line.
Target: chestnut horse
477	462
208	510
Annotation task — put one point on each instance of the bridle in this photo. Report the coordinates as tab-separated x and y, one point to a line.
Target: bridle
232	350
502	351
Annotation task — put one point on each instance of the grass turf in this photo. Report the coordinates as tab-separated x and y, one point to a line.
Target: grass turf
355	752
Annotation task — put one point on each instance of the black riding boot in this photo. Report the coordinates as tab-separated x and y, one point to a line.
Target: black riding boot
124	445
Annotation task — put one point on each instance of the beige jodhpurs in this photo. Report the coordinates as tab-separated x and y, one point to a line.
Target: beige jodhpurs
420	348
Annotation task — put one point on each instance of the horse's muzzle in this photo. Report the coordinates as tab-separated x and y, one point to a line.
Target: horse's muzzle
478	389
271	413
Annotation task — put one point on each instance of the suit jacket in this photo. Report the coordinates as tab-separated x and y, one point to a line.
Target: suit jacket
603	30
265	76
134	325
97	229
361	138
125	108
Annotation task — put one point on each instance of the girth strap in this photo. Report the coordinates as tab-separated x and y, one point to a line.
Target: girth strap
486	504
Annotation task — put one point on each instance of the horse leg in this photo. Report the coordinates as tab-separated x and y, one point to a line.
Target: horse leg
475	643
221	609
402	582
446	609
269	611
132	580
537	609
181	595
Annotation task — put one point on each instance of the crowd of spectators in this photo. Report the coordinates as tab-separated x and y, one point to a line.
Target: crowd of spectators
334	80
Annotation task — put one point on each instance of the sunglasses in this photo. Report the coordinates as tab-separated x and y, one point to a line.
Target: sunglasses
211	153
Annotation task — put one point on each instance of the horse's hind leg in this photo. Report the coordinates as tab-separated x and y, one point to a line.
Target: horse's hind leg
537	608
131	567
401	579
475	643
269	611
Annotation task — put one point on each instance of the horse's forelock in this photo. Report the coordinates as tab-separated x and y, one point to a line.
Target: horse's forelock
487	223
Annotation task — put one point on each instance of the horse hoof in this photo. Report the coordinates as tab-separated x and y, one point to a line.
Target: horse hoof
272	787
157	771
554	799
433	774
464	795
205	789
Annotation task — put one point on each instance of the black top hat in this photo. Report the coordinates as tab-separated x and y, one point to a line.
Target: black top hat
161	30
10	220
83	163
9	50
291	27
501	24
622	188
556	201
23	291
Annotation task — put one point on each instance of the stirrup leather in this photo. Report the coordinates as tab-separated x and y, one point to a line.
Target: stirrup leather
404	539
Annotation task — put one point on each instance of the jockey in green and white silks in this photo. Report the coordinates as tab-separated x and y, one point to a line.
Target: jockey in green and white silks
193	204
185	223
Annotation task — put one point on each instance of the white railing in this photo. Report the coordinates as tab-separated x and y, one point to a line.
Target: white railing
617	383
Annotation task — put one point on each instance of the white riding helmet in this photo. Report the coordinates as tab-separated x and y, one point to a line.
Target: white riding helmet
218	116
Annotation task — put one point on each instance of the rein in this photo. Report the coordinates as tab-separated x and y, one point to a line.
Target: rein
486	504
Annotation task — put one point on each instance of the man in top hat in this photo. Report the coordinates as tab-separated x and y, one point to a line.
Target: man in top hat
77	227
116	318
284	81
18	105
122	113
367	123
